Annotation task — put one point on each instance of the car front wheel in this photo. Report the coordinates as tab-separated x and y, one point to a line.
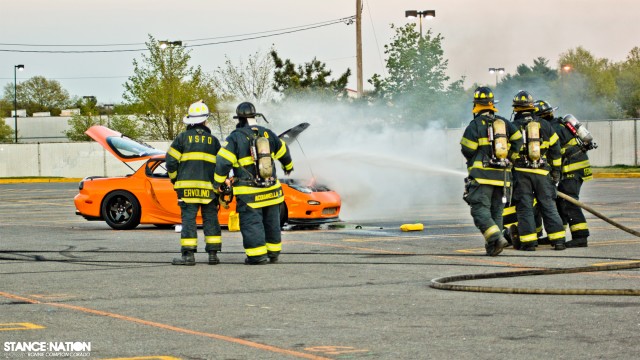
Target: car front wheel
121	210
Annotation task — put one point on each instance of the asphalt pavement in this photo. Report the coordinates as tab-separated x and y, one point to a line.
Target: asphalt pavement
357	290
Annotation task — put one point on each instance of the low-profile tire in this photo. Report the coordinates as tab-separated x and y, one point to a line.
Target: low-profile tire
121	210
284	214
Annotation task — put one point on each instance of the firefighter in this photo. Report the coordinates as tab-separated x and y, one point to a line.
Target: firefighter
191	162
250	151
537	170
576	170
489	144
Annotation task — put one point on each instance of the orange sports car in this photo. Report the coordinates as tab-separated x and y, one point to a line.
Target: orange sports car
147	195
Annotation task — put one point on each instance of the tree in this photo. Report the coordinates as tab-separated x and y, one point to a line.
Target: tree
78	124
589	88
629	84
126	125
39	94
539	79
163	86
6	133
416	83
308	80
251	81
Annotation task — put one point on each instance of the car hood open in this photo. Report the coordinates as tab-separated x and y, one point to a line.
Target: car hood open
127	150
122	147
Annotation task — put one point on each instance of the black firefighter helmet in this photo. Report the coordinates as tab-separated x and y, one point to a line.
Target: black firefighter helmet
483	96
245	110
523	99
543	108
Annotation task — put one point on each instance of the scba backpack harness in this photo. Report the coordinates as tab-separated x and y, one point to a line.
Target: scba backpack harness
261	155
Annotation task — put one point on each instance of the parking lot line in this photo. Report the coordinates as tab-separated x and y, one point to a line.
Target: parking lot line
231	339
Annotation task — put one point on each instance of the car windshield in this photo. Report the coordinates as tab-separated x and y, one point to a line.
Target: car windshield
129	148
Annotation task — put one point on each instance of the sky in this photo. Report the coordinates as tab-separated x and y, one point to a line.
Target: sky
477	34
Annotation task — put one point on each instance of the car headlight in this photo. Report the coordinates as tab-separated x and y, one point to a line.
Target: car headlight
313	202
302	189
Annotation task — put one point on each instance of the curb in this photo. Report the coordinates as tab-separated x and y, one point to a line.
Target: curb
605	175
39	180
602	175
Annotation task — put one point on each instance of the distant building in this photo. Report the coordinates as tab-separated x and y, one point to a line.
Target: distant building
21	113
69	112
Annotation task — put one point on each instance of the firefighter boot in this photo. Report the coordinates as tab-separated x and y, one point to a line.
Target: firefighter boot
559	245
187	258
273	257
528	246
515	237
495	247
544	240
577	242
256	260
507	236
213	258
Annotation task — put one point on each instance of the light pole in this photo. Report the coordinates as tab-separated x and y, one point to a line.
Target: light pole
564	69
16	68
91	100
171	106
166	43
108	108
496	71
428	14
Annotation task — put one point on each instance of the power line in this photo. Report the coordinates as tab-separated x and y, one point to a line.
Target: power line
270	33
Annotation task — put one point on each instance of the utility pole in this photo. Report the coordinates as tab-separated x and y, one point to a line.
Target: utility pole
359	46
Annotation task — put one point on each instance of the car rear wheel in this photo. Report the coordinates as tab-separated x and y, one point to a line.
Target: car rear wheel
121	210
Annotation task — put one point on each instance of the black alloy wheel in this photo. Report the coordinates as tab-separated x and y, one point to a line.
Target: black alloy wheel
121	210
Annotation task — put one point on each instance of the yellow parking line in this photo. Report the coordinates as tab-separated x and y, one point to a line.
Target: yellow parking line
20	326
617	263
146	358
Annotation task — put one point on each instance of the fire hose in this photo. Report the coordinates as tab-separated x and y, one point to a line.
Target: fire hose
443	283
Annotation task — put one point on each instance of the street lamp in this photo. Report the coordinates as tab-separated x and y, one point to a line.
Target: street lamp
91	100
565	68
166	43
496	71
16	68
428	14
108	107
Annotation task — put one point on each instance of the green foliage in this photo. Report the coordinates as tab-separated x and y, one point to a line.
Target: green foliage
416	84
250	81
628	82
588	89
308	80
38	94
162	88
78	124
6	133
126	125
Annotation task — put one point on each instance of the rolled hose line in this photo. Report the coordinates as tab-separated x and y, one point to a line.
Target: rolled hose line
443	283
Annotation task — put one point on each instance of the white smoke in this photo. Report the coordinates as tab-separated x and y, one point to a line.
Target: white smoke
380	169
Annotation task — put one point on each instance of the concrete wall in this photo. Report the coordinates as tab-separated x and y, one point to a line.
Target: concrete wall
617	145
